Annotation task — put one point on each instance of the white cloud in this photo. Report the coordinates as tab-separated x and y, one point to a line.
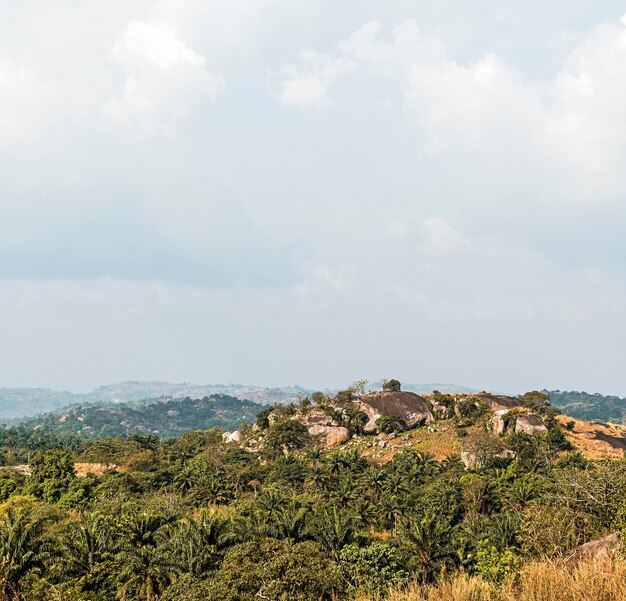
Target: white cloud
164	78
308	85
569	129
432	235
322	282
24	104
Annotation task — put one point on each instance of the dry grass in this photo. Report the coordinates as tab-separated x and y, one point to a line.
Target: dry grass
585	434
602	579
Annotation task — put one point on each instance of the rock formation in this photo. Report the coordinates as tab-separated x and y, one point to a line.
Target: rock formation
530	424
411	408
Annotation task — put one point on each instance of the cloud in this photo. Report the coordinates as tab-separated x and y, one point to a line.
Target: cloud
432	235
307	85
24	104
164	78
566	135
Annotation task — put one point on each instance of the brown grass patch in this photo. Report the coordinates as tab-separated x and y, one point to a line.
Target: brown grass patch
595	440
600	579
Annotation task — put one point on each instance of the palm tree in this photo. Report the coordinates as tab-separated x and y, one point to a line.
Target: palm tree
374	481
87	553
197	543
146	571
23	551
290	522
345	492
430	537
146	566
333	529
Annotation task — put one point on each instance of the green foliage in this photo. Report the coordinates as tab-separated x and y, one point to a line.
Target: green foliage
288	434
391	385
195	518
374	568
390	423
274	569
591	407
170	417
493	564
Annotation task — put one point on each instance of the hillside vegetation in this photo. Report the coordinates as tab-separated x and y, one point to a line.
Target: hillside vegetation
166	417
335	497
590	407
18	403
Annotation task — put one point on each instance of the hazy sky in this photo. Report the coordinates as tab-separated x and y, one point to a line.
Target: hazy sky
274	192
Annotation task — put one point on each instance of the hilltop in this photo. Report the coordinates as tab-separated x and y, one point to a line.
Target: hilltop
165	417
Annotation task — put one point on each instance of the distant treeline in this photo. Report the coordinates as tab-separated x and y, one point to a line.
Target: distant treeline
591	407
166	417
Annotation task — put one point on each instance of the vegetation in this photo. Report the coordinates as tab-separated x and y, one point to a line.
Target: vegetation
197	518
166	417
590	407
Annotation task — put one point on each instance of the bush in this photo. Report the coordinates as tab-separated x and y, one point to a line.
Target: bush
390	423
273	569
392	385
375	568
287	433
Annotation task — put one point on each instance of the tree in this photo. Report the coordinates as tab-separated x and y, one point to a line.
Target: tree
287	434
146	566
392	385
198	543
88	553
333	529
52	471
23	552
272	569
390	423
430	539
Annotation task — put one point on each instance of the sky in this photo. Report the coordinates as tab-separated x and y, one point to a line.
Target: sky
274	192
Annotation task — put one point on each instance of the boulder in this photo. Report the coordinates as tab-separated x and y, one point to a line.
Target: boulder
530	424
329	435
470	461
440	411
596	548
315	417
411	408
236	436
498	402
498	422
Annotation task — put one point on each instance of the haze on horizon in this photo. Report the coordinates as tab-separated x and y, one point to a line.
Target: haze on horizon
271	192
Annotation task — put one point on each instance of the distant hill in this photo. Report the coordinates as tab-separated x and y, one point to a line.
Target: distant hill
18	403
590	407
167	417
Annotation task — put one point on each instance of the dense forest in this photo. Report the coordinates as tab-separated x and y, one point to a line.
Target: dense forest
196	518
591	407
166	417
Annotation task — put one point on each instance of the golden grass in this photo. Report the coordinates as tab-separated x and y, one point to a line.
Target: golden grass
584	434
599	579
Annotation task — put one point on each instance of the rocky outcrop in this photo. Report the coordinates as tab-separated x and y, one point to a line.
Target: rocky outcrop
315	417
235	436
530	424
440	411
596	548
498	402
329	436
409	407
498	422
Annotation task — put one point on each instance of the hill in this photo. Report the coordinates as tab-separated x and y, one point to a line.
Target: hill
589	407
166	417
16	403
